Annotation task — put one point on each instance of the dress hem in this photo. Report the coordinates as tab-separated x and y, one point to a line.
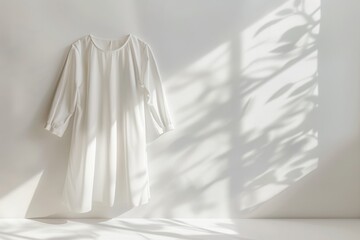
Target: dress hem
87	210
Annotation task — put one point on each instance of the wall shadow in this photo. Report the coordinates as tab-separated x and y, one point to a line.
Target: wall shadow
258	94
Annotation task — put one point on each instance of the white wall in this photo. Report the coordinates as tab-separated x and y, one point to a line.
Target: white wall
267	112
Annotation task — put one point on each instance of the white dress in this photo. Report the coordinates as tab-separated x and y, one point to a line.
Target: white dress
113	89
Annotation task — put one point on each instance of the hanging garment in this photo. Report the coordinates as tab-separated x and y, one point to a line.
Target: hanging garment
113	90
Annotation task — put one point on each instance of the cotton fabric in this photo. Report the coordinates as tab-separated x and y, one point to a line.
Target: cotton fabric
113	90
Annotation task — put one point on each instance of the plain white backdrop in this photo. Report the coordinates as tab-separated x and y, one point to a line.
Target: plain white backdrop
265	96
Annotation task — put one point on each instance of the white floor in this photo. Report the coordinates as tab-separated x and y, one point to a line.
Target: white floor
185	229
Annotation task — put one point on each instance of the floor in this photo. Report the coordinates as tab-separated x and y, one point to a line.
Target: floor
185	229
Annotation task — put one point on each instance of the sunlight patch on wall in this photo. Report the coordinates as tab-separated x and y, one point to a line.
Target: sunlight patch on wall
248	113
14	203
279	71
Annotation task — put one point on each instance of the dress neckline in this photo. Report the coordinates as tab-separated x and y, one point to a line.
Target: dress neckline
127	37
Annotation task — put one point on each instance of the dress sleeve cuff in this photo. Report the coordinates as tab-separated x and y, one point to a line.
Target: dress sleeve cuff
56	131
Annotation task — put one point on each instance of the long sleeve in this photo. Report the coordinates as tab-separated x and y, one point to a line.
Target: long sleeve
158	117
64	100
